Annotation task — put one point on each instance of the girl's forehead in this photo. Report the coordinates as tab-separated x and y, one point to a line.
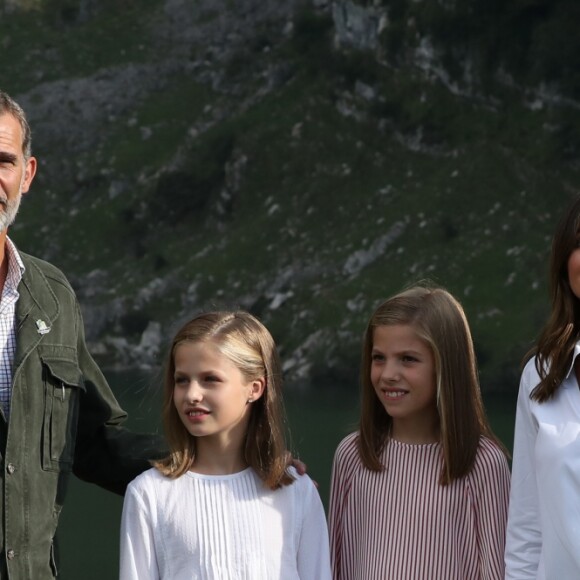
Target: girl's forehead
398	328
198	350
188	343
398	336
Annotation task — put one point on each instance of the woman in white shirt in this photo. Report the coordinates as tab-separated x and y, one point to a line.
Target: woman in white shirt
543	535
223	505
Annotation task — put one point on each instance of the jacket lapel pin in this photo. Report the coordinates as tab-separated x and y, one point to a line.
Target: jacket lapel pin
41	327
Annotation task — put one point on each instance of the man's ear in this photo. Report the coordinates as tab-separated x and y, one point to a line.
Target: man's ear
29	173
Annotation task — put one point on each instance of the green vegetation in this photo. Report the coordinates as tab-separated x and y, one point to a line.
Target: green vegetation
266	177
535	41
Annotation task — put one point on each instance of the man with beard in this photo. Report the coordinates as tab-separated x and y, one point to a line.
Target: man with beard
57	412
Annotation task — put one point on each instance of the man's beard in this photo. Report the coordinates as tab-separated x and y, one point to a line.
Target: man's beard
8	211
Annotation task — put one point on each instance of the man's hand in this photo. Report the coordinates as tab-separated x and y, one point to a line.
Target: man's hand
300	466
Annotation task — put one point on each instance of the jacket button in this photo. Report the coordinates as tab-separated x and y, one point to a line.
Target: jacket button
10	554
11	468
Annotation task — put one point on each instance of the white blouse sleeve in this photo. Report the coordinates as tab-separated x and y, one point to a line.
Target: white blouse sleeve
524	538
138	557
313	550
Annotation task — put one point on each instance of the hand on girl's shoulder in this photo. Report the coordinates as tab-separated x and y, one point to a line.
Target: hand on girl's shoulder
303	480
296	463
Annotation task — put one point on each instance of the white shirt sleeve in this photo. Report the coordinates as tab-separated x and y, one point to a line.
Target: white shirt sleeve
138	558
313	549
524	537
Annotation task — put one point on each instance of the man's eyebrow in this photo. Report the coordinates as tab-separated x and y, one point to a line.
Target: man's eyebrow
8	157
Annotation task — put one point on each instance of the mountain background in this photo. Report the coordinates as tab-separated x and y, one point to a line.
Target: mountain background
302	160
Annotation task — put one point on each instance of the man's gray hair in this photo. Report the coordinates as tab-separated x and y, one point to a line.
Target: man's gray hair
9	106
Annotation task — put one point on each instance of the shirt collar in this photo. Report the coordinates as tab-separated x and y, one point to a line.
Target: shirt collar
576	353
15	265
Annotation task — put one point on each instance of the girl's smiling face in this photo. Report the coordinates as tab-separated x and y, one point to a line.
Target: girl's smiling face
210	393
403	377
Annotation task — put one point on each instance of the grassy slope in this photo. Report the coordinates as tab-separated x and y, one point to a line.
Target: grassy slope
478	201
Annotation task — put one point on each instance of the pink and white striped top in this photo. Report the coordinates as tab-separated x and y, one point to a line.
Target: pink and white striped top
401	524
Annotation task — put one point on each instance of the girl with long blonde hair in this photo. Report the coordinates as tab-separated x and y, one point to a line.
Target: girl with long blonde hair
223	504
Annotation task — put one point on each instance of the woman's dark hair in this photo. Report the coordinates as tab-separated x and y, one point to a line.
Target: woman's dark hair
555	345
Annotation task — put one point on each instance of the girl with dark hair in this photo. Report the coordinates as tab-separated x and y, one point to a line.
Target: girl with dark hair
543	536
421	490
223	504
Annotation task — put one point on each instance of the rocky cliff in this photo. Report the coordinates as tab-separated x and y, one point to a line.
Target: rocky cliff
287	158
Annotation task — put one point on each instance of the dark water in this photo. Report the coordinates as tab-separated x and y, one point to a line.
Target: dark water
89	529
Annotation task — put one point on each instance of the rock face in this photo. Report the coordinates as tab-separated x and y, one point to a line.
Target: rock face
275	156
357	26
80	115
9	6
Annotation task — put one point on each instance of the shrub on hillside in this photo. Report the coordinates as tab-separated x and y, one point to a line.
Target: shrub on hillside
187	191
534	41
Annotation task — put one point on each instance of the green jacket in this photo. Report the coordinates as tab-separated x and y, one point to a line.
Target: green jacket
63	418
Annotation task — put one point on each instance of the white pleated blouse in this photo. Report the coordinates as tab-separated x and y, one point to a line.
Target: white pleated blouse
231	527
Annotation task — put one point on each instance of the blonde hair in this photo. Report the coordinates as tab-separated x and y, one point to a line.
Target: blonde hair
440	321
247	343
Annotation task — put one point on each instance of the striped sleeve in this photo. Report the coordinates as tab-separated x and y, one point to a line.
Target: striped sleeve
346	459
490	481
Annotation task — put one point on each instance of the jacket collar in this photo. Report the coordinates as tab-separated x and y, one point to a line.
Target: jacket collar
36	310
